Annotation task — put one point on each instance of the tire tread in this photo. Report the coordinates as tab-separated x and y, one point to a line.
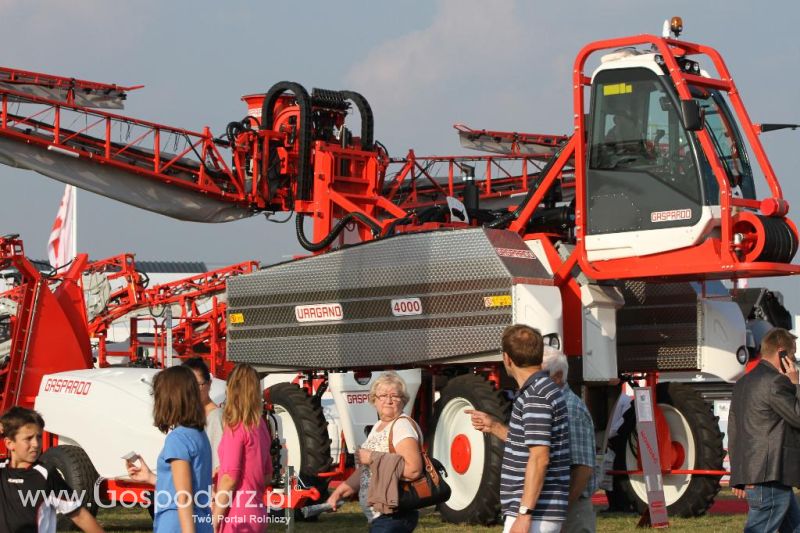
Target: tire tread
485	508
699	495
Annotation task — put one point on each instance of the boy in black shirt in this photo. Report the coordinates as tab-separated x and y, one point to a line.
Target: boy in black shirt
31	493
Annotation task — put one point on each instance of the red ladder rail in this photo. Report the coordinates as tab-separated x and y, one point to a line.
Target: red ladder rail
27	77
177	157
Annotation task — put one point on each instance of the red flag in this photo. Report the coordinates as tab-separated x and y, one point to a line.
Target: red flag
61	249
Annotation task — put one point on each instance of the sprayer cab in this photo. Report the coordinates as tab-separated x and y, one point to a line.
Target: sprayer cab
667	186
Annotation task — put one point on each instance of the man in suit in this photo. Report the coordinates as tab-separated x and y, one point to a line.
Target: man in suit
764	437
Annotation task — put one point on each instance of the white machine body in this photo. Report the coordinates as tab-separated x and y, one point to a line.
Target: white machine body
108	412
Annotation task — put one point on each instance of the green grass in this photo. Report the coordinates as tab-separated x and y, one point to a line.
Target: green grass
349	518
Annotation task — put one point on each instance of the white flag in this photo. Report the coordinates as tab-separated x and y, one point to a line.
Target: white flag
61	249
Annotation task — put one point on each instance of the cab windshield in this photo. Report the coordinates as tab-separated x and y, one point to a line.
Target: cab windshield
637	129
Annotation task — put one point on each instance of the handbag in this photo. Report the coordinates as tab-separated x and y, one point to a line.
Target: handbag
430	488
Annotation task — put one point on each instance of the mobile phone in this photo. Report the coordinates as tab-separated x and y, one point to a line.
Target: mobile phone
131	457
781	355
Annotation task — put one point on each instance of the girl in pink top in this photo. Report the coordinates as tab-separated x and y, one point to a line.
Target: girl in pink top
244	460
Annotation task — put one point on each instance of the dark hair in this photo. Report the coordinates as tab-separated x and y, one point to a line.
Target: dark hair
198	364
177	400
15	418
523	344
776	340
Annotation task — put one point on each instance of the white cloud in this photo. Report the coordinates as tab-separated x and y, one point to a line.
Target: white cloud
470	46
463	33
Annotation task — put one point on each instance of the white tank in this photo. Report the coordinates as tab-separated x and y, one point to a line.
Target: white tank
108	412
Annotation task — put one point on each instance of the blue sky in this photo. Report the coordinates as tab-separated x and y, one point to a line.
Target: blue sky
423	65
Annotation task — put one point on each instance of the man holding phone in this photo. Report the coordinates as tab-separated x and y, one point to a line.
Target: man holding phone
764	437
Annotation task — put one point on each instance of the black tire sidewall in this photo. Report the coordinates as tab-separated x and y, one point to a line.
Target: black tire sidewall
485	507
74	465
312	434
699	495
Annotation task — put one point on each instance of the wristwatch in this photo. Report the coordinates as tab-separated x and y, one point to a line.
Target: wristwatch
525	510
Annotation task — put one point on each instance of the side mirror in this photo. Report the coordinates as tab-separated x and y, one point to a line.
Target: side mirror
694	118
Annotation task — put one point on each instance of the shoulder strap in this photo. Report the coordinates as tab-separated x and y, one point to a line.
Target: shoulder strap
416	429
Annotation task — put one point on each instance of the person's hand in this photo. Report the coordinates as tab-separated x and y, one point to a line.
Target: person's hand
335	497
141	473
739	493
480	420
789	369
522	524
364	456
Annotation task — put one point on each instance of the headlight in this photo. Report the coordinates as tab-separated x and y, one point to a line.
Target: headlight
742	355
552	341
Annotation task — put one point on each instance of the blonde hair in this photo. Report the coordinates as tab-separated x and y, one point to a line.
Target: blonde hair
389	379
243	402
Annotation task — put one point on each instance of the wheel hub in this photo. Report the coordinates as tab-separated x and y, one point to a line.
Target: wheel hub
460	453
678	455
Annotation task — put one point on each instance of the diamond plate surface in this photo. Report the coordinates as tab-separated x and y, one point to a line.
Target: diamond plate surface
377	349
660	358
451	272
657	328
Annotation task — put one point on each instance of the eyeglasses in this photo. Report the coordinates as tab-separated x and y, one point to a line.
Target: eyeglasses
387	397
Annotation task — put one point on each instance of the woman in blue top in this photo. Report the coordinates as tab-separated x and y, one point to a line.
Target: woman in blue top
184	465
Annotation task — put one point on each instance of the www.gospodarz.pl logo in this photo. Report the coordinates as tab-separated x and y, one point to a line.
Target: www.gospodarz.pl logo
252	501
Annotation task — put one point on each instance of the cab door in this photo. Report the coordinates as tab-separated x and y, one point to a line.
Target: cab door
644	192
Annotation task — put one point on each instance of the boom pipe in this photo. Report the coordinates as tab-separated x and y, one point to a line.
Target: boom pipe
198	331
129	295
95	142
198	285
515	139
413	169
14	75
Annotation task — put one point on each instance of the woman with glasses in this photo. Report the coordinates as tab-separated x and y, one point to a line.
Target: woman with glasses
212	410
389	395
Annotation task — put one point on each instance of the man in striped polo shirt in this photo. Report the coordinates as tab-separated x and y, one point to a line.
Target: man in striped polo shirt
534	477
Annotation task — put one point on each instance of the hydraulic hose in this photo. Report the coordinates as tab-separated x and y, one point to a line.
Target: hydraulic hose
304	146
337	229
233	129
427	214
367	119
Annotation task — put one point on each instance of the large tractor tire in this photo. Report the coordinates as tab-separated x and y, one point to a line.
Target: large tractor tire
695	434
78	471
472	459
303	432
